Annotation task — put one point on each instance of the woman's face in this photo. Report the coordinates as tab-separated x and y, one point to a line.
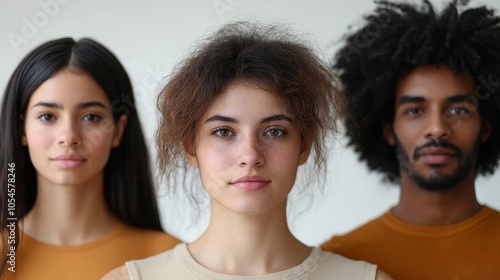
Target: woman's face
248	150
69	129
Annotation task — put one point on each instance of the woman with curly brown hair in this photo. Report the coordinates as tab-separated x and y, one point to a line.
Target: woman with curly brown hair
246	109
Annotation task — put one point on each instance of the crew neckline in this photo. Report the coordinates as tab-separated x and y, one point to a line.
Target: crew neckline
111	234
397	224
292	273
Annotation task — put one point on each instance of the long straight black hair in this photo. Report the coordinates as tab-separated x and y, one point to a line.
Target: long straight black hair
128	183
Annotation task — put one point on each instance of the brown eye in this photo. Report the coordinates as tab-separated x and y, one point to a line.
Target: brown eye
458	110
413	111
46	117
92	118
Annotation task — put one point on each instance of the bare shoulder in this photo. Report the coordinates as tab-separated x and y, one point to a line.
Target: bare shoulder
381	275
119	273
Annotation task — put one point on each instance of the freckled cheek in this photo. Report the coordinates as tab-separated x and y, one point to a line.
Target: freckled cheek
214	166
218	157
284	162
214	179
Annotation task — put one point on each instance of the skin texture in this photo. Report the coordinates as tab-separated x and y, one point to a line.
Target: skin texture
248	132
69	115
437	129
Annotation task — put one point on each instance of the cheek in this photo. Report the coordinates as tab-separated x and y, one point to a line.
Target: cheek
39	147
97	140
407	134
406	129
284	160
38	140
213	174
212	161
470	134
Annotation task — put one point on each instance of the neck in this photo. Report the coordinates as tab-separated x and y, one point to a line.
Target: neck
437	208
248	244
69	215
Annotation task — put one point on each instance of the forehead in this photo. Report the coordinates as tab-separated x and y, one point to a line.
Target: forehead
434	83
242	95
69	87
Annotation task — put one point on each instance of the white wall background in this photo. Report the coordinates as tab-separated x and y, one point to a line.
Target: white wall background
151	36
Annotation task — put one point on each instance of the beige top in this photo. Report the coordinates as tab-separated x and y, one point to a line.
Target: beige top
179	264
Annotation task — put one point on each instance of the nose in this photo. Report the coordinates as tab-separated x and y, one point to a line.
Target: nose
250	152
437	127
69	135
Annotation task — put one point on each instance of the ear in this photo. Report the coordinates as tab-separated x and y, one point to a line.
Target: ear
304	155
24	140
485	131
388	132
190	158
120	128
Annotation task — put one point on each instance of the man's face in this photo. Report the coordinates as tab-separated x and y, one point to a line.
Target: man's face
437	128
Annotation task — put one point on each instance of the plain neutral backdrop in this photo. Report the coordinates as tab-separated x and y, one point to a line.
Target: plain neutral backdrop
150	37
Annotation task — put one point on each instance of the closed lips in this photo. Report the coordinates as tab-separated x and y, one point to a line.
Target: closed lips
250	183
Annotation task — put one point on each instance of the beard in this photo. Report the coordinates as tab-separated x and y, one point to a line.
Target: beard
436	180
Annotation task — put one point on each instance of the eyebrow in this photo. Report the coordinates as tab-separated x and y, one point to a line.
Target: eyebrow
78	106
221	119
278	117
418	99
460	98
411	99
48	104
90	104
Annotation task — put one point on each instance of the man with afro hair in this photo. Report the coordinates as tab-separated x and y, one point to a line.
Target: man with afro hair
424	89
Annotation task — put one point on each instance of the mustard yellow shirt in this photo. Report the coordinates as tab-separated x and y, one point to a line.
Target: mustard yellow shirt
39	261
466	250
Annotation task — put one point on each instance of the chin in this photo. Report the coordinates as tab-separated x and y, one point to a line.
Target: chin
252	208
438	181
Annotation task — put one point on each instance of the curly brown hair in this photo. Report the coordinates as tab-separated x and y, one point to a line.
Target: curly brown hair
268	56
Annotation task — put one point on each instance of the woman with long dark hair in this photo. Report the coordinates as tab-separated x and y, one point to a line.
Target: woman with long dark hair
77	197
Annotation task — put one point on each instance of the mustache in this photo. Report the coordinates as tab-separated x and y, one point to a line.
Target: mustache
437	144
